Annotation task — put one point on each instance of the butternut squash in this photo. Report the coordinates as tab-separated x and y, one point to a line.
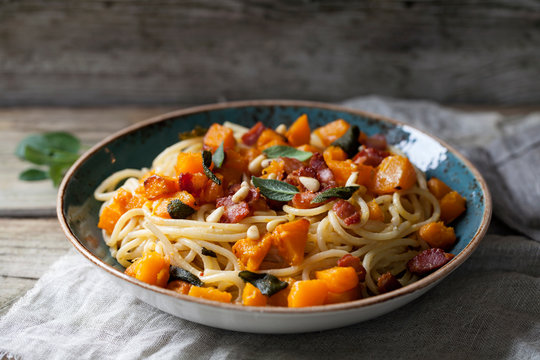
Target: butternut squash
152	268
452	205
338	279
218	134
251	253
394	173
437	235
307	293
299	133
290	240
269	138
438	188
210	293
332	131
251	296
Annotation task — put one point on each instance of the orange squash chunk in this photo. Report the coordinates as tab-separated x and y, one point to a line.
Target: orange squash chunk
338	279
299	132
251	253
251	296
437	188
212	191
342	168
452	205
156	186
375	212
307	293
209	293
437	235
109	217
218	134
152	268
280	298
249	153
290	240
276	167
269	138
160	205
122	202
332	131
349	295
234	166
309	148
189	163
393	173
332	153
179	286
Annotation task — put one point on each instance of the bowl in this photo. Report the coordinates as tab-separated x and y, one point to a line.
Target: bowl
136	147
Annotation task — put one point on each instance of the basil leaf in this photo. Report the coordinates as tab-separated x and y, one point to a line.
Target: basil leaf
219	156
266	283
49	143
33	175
45	157
286	151
178	210
176	273
344	192
349	141
207	162
56	172
275	189
196	132
208	252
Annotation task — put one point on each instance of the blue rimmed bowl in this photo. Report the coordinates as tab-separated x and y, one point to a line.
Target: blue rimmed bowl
138	145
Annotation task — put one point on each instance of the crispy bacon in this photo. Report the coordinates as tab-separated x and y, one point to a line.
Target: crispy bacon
370	156
234	212
353	261
290	164
387	282
324	174
302	200
185	181
346	212
428	261
250	138
293	177
377	141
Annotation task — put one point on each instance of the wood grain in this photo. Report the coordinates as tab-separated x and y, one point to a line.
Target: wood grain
92	52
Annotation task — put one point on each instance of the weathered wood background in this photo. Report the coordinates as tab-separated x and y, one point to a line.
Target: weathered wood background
90	52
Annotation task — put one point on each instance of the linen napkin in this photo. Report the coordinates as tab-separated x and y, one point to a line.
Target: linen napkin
488	308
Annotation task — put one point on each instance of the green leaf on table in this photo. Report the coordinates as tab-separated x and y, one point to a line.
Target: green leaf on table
344	192
219	156
266	283
49	143
207	162
33	175
286	151
275	189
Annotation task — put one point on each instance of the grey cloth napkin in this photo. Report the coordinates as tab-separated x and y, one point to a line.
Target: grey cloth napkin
487	309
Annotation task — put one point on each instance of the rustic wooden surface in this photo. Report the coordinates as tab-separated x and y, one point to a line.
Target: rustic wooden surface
90	52
31	238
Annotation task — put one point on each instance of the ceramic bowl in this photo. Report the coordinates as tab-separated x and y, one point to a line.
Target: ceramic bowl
136	147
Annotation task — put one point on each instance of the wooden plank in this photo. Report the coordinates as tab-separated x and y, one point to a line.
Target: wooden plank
120	51
20	198
27	248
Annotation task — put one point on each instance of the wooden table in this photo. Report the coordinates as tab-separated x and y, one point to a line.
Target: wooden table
31	238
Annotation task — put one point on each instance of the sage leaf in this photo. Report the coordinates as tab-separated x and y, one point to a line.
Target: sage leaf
266	283
49	142
207	162
275	189
33	175
176	273
178	210
344	192
208	252
219	156
286	151
349	141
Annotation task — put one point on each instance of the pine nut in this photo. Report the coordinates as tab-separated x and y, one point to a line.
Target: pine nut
266	163
281	129
216	214
254	166
310	183
240	194
352	179
253	233
272	224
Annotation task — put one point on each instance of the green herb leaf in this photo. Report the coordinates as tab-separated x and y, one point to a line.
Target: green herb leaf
176	273
286	151
219	156
344	192
208	252
49	143
33	175
349	141
275	189
196	132
178	210
207	162
266	283
56	173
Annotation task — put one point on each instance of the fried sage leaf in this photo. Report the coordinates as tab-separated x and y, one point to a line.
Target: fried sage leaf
349	141
207	162
178	210
275	189
286	151
266	283
208	252
219	156
344	192
176	273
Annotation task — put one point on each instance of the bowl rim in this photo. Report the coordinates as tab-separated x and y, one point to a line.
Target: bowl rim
418	285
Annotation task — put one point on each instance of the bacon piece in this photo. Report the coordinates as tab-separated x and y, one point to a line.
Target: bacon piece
387	282
353	261
377	141
302	200
346	212
293	177
324	174
370	156
234	212
250	138
185	181
428	261
290	164
253	195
